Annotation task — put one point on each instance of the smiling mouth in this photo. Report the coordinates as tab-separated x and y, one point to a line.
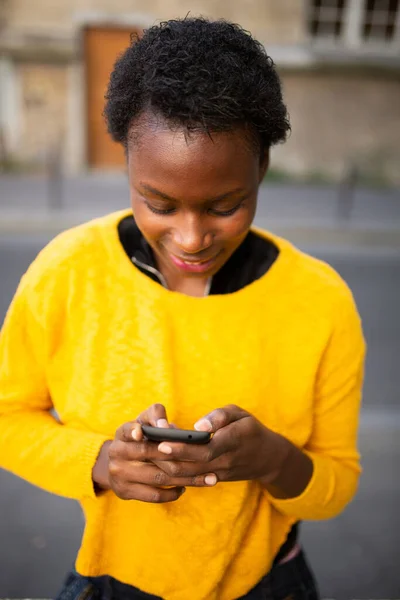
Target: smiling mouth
198	266
194	262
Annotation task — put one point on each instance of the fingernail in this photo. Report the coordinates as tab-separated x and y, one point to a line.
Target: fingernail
164	448
210	479
135	434
162	423
203	425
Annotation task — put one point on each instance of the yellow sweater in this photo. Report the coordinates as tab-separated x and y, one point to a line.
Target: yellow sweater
90	335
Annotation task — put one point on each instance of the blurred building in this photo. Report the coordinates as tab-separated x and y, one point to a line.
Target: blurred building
339	61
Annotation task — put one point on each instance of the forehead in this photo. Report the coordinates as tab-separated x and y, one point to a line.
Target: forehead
172	160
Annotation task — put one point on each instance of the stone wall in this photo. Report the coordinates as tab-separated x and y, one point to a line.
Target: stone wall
43	110
277	22
339	115
340	118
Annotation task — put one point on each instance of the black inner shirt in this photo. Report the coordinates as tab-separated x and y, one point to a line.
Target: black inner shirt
250	261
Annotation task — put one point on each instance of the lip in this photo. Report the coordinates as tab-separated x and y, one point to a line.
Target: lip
193	266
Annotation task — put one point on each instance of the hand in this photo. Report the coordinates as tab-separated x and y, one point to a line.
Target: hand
242	448
129	464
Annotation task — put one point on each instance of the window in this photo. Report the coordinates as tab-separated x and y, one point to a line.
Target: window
326	18
353	23
379	22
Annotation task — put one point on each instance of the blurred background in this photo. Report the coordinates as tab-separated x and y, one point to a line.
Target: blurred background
333	189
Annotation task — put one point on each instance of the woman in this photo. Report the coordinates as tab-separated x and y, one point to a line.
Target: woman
186	314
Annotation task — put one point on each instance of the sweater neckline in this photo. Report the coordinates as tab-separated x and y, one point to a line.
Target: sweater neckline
272	279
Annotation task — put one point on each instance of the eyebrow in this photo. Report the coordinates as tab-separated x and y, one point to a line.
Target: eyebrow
164	196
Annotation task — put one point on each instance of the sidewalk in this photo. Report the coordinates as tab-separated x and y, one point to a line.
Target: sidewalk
303	214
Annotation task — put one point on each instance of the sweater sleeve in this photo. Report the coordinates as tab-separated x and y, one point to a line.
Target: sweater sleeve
332	445
33	444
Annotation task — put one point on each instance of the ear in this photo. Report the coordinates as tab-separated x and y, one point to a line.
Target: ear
264	164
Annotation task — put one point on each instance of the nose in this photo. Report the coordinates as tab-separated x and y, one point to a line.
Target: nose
192	236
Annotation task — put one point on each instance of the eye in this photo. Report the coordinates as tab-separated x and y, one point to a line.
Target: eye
159	211
226	213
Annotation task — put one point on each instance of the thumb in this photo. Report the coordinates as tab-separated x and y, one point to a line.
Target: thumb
155	416
221	417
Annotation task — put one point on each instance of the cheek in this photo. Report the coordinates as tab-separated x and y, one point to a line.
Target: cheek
148	223
236	228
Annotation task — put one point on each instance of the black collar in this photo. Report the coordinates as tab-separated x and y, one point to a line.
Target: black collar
248	263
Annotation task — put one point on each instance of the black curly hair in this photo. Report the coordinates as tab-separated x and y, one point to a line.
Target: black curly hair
201	75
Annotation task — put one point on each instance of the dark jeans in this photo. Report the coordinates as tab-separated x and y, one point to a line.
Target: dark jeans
291	581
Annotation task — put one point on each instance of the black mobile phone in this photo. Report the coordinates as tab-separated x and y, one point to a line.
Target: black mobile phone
161	434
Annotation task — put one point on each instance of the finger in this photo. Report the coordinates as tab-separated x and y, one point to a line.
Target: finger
189	474
137	432
196	453
129	432
224	441
179	476
155	415
153	475
221	417
144	451
147	493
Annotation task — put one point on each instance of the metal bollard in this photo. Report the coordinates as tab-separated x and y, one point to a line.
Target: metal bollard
346	194
55	180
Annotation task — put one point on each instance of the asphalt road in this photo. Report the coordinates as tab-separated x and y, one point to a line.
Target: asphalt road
354	556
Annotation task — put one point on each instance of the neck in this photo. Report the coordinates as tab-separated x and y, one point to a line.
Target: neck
190	286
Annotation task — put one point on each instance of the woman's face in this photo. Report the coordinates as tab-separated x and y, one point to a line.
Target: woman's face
194	198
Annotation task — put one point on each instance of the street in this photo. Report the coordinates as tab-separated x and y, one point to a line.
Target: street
354	555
